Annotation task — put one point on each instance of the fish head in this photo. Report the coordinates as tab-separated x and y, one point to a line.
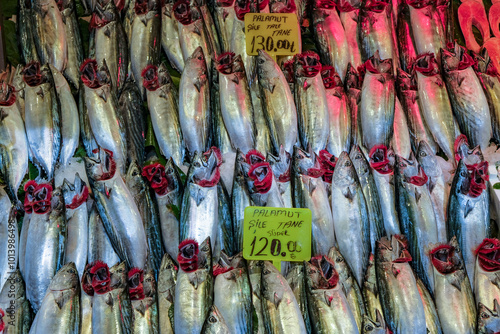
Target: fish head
76	193
307	64
265	65
183	12
254	156
7	96
33	74
446	258
214	323
341	266
328	271
376	65
280	164
168	270
463	151
189	255
88	73
488	255
344	174
241	166
484	64
488	321
282	6
56	204
331	78
241	7
273	283
305	163
118	276
155	174
327	162
196	67
149	283
450	60
101	168
405	81
204	169
427	159
394	250
134	179
470	180
375	326
136	284
150	77
358	159
225	62
100	278
103	75
65	279
205	256
352	78
380	160
261	176
313	275
426	65
163	75
86	281
141	7
410	171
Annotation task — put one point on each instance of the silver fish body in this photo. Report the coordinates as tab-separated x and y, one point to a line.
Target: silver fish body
371	292
23	237
349	21
17	317
240	199
255	277
167	279
170	37
100	248
428	30
25	34
145	310
60	309
387	196
296	278
431	315
9	243
401	141
339	138
281	166
74	43
215	323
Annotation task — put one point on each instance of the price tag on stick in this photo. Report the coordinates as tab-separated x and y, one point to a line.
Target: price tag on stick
277	34
277	234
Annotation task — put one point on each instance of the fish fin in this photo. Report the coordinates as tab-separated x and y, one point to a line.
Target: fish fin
60	300
277	300
40	92
432	184
107	191
496	280
457	278
395	271
198	85
418	195
107	32
235	79
199	196
109	300
381	79
141	308
328	299
196	30
468	208
306	85
460	81
3	114
311	186
348	194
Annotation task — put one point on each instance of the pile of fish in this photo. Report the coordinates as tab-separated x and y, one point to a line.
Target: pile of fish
379	129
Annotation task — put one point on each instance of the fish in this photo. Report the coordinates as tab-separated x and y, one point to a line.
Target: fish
195	286
371	292
434	102
376	32
106	122
467	97
14	149
77	220
225	218
311	102
232	293
167	279
49	34
193	32
377	106
279	306
224	18
200	202
453	293
486	274
42	117
132	111
209	23
145	45
296	278
237	42
116	206
149	215
331	37
403	307
142	291
194	103
401	142
25	33
468	217
309	191
438	188
100	248
348	16
9	241
376	325
215	323
405	37
255	277
44	252
69	122
431	316
328	306
74	44
18	83
108	43
29	197
353	83
352	222
236	101
408	96
262	185
428	30
60	309
88	139
339	113
370	192
15	309
170	41
86	295
278	103
416	215
488	320
487	74
111	306
349	285
281	166
168	188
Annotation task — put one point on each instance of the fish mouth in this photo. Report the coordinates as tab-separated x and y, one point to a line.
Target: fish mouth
427	64
444	259
478	177
325	4
376	65
188	255
330	77
225	62
182	12
32	74
488	255
418	4
7	95
80	198
219	269
155	174
87	280
42	197
262	4
88	71
461	146
405	81
150	76
241	7
254	157
327	162
100	18
107	163
375	6
308	64
345	6
101	278
210	162
141	7
29	198
225	3
399	248
379	160
326	268
262	176
135	284
282	7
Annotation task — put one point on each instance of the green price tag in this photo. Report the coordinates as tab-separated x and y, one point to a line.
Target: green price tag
277	234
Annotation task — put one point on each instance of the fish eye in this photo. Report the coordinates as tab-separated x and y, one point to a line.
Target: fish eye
212	319
423	154
340	259
266	272
358	156
135	173
348	164
463	174
484	315
261	61
197	164
402	164
170	170
368	328
205	249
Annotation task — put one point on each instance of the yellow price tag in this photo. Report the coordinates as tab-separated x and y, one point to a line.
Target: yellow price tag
277	34
277	234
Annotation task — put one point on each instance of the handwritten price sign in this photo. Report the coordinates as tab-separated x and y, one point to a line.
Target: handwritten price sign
277	234
277	34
